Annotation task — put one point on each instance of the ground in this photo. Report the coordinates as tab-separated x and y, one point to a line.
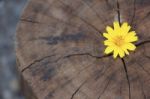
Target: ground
10	11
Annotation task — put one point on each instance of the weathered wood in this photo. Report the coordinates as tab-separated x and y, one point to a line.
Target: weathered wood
60	50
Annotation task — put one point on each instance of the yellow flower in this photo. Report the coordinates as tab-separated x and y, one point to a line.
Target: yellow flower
119	40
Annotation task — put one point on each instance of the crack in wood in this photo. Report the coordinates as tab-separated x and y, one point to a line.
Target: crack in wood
142	43
124	64
97	57
134	10
36	61
82	54
127	76
67	56
77	90
118	12
147	56
28	20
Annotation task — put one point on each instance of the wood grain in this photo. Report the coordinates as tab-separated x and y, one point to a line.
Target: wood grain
60	50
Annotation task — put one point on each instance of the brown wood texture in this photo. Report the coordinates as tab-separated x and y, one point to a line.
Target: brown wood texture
60	50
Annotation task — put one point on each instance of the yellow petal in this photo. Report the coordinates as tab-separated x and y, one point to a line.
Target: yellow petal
115	53
132	33
130	37
116	25
109	30
108	50
130	46
124	25
125	50
121	53
106	35
108	43
125	28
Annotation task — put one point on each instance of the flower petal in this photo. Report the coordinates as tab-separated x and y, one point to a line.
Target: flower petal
121	53
132	33
108	50
108	43
124	25
130	37
115	53
106	35
109	30
130	46
125	50
116	25
125	28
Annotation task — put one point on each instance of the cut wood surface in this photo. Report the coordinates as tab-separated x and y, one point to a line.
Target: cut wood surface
60	51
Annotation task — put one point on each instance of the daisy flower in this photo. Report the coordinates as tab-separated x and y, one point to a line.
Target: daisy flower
119	39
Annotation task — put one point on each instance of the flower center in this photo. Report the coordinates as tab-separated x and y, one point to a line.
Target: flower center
119	41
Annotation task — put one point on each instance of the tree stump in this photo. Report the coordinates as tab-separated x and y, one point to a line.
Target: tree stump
60	51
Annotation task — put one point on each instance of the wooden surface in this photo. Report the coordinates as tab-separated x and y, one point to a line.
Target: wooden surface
60	51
